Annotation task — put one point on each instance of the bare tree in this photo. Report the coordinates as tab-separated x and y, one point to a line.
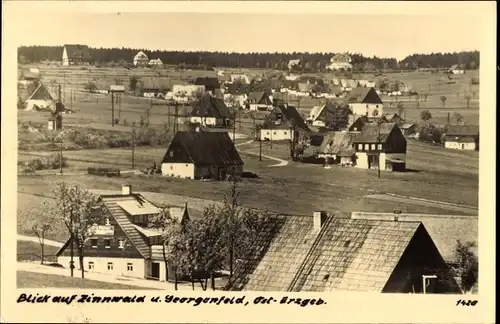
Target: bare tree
41	228
443	101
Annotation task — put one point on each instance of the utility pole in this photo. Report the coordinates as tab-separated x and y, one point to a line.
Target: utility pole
112	109
260	149
60	153
133	148
234	127
378	150
176	125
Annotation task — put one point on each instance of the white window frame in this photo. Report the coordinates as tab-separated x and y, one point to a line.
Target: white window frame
379	147
107	246
91	265
367	147
130	266
121	244
373	147
110	265
360	147
97	242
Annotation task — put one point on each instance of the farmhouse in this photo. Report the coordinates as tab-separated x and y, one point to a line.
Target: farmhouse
280	122
456	69
188	90
317	116
260	100
76	55
293	63
356	123
242	78
155	63
210	111
202	155
462	137
235	99
365	102
30	74
408	129
338	148
337	253
40	99
210	84
381	144
121	244
341	61
151	87
141	59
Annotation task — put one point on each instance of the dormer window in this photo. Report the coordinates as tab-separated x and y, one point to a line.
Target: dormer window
106	221
171	153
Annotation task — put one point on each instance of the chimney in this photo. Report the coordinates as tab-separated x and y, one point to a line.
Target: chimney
126	190
319	218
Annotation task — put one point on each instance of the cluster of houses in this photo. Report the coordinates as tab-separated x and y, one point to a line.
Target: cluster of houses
142	60
367	252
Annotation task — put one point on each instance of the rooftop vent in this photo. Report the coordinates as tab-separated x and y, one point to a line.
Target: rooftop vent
319	218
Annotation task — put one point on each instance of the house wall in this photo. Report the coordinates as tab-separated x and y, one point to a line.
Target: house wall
470	146
275	134
178	170
205	121
421	257
65	60
40	103
458	72
101	265
319	123
363	109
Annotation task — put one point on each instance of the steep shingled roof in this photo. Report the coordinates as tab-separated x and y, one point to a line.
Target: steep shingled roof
41	93
289	113
209	106
338	143
361	95
370	133
78	51
203	148
345	254
209	83
462	130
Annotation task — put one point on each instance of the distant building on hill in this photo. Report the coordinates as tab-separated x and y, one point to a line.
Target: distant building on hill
462	137
76	55
293	63
141	59
201	155
341	61
155	63
456	69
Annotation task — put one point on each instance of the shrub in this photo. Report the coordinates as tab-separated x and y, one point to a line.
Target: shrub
430	133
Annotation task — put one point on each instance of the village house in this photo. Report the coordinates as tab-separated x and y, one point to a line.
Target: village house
235	99
324	253
29	75
121	243
141	59
210	84
76	55
462	137
241	78
408	129
210	111
317	116
280	122
356	123
365	102
155	63
152	87
40	99
202	155
293	63
380	144
338	148
456	69
340	62
260	100
191	91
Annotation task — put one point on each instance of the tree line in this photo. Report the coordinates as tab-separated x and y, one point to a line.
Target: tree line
278	61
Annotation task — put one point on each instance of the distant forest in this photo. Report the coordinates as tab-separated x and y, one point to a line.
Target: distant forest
279	61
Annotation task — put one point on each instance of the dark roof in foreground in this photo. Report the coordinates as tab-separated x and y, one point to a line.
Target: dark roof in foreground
338	143
290	113
345	254
371	132
204	148
208	82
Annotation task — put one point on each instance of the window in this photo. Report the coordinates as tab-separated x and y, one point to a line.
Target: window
366	106
360	146
376	106
107	243
367	147
285	133
130	267
373	147
171	167
121	244
110	265
267	133
379	147
91	265
186	165
274	133
107	221
171	153
94	243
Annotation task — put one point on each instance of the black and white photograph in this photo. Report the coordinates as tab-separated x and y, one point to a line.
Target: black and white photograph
225	152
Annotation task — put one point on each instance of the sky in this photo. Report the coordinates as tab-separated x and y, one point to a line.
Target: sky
382	35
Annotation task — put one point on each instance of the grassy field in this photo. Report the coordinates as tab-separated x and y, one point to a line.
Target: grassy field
31	251
27	279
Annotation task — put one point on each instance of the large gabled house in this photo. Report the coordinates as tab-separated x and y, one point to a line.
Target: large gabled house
209	83
202	155
462	137
40	99
365	102
326	253
338	148
141	59
76	55
122	242
281	124
210	111
260	100
380	145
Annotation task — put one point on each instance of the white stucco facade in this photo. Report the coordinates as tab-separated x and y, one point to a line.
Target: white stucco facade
362	159
43	104
205	121
65	60
369	110
468	146
127	267
339	66
275	134
178	170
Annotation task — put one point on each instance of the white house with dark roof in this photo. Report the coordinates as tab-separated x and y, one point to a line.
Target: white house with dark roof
462	137
141	59
281	124
40	99
341	61
76	54
365	102
122	242
201	155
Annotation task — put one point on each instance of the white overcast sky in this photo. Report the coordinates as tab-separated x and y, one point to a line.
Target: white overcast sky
382	35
